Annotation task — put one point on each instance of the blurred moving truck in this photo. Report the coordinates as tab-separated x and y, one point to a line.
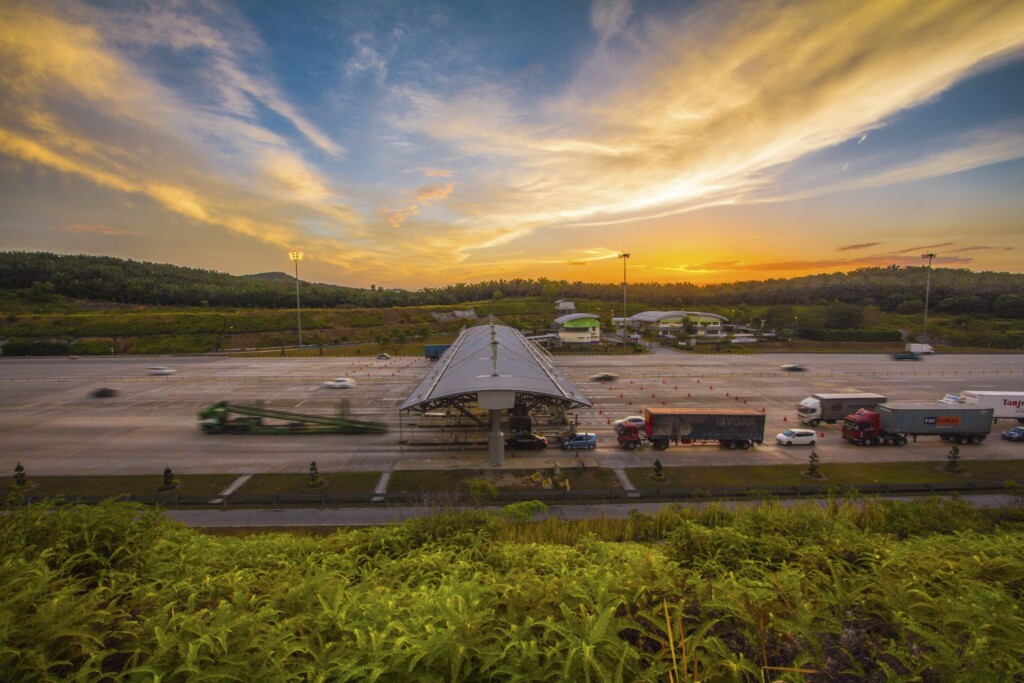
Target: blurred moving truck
920	348
830	408
1005	405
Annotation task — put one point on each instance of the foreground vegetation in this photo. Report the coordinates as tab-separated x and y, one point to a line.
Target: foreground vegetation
856	591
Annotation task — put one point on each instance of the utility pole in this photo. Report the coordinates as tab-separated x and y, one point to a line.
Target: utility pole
296	256
927	291
624	256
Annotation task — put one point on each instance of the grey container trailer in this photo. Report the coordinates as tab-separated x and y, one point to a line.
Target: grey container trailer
732	427
953	423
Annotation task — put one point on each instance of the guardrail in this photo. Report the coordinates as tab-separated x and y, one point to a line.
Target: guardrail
553	497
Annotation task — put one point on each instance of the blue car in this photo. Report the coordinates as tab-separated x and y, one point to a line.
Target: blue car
1014	434
580	441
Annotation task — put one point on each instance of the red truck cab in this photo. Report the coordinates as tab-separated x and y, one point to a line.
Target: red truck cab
862	427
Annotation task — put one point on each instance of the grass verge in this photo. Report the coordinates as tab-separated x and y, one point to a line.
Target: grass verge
437	481
334	482
839	474
135	485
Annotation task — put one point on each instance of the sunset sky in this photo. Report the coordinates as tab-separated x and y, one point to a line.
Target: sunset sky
414	143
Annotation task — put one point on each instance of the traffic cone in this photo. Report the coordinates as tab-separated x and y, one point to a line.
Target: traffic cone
609	420
687	394
662	403
821	436
762	410
711	386
785	419
600	411
652	396
727	393
698	380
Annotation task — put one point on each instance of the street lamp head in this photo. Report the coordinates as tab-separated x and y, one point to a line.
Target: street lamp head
623	255
295	255
928	256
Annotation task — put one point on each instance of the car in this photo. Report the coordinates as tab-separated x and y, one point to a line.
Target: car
1014	434
160	370
906	355
633	421
383	356
604	377
797	437
580	441
340	383
526	441
794	367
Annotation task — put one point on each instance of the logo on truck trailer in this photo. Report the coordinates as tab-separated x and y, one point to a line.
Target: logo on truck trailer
947	421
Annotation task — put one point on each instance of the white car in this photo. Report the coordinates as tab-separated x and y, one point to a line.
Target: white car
797	437
160	370
340	383
633	421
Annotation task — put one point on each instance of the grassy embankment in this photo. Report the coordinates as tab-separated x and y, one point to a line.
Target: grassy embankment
857	591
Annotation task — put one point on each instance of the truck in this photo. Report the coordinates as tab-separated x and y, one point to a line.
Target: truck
831	408
730	427
434	351
920	348
233	418
1005	405
891	424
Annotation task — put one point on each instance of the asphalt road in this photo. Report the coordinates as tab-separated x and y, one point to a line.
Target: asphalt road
51	424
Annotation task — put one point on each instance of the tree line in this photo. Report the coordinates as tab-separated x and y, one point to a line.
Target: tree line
896	289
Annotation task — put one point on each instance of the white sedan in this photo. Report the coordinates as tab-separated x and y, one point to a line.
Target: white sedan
340	383
160	370
632	421
797	437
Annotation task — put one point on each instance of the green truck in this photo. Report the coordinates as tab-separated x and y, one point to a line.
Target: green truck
233	418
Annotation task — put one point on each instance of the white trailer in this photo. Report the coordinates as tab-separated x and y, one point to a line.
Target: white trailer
830	408
1005	405
920	348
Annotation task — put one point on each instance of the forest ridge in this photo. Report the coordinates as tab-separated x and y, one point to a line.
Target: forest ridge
893	289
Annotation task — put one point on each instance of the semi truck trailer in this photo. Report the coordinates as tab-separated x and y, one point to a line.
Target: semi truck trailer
831	408
891	424
730	427
1005	405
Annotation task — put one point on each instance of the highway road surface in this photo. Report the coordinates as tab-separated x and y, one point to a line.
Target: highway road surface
50	422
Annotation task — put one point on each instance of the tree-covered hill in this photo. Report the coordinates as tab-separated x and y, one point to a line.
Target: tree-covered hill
894	289
856	591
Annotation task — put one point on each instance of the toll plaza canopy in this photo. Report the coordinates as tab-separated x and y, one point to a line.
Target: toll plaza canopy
492	360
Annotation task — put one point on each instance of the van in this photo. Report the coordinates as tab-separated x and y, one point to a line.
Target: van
580	441
920	348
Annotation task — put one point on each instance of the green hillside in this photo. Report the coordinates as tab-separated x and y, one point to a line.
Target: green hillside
864	591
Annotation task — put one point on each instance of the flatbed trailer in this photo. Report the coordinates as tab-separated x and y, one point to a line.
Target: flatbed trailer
234	418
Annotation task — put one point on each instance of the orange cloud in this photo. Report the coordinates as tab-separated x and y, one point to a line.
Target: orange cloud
104	230
433	193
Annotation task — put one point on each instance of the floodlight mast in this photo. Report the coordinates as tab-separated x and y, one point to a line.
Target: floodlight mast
927	291
623	256
296	256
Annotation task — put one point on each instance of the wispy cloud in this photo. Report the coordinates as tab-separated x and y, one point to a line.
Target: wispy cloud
433	193
104	230
852	247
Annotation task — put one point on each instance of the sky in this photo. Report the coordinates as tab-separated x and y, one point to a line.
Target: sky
411	144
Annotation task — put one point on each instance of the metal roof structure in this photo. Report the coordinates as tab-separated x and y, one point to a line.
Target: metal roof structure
575	316
493	360
657	316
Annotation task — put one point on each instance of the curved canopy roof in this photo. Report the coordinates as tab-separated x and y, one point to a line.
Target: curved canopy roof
576	316
492	358
658	316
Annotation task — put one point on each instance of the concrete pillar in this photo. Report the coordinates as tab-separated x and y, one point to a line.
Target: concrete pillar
496	441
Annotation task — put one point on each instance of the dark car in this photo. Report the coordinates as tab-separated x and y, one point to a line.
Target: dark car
604	377
1014	434
526	441
906	355
794	367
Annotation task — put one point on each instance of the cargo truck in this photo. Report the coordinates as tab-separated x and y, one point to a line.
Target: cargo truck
1005	405
730	427
920	348
891	424
830	408
434	351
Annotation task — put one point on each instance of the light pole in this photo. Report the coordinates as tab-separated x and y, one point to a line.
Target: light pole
296	256
623	256
927	290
